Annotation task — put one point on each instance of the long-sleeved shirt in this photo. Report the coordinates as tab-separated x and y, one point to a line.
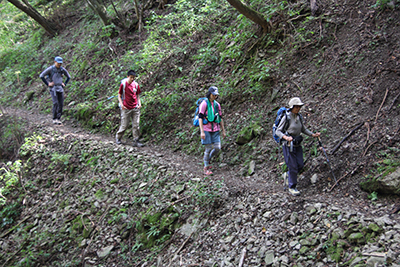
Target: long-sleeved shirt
55	75
295	127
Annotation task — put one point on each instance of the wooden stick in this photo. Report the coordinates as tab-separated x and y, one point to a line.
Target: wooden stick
179	250
347	136
352	172
12	229
383	101
366	142
365	152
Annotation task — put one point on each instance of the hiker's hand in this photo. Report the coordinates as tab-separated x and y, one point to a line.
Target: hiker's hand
123	107
288	138
203	135
316	135
139	106
63	85
51	84
223	133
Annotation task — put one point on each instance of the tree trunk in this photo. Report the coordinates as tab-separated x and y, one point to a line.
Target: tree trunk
25	7
251	14
100	10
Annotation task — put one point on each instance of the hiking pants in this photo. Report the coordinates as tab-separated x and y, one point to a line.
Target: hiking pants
212	144
58	103
294	162
126	116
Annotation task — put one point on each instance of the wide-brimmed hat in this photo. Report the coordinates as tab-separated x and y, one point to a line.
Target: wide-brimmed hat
58	59
295	101
213	90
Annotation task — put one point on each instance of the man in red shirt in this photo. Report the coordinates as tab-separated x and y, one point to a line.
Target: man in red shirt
129	101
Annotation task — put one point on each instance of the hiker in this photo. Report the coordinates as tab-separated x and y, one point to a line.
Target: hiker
291	143
130	104
53	78
210	110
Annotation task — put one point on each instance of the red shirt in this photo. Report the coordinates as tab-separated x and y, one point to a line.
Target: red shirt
132	90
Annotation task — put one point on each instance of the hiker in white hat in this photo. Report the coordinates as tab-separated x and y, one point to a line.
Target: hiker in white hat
289	129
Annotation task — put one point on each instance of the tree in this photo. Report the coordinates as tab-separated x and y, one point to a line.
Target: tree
251	14
25	7
100	9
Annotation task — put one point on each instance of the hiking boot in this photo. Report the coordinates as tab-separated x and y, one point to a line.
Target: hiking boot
59	122
285	180
207	171
54	121
137	143
294	191
118	141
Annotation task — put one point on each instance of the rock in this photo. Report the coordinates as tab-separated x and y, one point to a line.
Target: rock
269	257
102	253
390	184
252	167
314	178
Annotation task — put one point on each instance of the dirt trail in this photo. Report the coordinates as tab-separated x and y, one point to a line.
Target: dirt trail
263	184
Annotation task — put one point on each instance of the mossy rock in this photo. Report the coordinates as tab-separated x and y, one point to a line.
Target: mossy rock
81	227
358	238
374	228
248	133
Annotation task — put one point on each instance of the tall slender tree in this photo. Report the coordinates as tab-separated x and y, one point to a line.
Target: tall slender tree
25	7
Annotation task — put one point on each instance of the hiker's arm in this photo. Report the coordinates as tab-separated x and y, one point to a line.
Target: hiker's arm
280	133
43	75
139	103
202	134
223	128
45	81
120	102
68	77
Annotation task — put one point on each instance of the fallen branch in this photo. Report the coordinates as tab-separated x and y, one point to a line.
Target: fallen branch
179	250
352	172
383	101
366	142
365	152
347	136
16	226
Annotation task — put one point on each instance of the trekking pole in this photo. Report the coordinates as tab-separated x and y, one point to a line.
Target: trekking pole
320	144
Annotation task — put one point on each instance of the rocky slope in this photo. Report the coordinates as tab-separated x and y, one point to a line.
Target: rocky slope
88	202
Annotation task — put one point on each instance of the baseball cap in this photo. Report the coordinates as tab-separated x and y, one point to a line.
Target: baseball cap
58	59
213	90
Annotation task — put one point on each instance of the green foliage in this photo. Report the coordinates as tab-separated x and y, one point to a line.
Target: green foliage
11	136
373	196
9	178
9	214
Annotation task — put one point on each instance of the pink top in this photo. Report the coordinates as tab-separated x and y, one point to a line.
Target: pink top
210	126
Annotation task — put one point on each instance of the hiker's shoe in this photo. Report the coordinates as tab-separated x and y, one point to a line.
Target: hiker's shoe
285	180
55	122
59	122
118	141
137	143
207	171
294	191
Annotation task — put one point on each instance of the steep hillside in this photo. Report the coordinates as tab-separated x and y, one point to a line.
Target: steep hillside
78	199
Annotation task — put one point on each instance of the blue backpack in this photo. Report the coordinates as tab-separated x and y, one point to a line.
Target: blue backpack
282	112
196	113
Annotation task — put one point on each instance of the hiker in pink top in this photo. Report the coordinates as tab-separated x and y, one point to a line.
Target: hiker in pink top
210	110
